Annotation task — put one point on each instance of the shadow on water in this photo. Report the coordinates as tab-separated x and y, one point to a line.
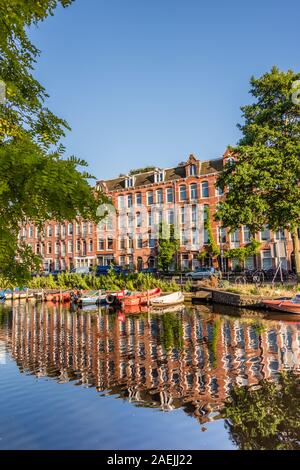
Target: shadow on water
213	363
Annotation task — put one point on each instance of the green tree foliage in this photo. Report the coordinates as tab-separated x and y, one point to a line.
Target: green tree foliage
168	246
211	248
267	417
242	253
262	184
37	182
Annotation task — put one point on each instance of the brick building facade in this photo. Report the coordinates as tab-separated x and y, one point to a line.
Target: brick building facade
127	236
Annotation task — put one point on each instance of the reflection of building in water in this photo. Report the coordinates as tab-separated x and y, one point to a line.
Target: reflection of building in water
206	357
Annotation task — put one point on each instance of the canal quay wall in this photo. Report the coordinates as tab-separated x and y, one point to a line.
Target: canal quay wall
228	298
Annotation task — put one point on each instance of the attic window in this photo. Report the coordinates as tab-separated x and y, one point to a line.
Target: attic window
158	177
193	170
129	182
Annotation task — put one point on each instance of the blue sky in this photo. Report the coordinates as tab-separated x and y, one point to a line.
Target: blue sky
147	82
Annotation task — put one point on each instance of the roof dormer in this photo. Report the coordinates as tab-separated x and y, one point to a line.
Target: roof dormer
192	166
159	175
129	181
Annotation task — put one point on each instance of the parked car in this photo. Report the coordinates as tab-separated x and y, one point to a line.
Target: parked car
202	273
149	271
81	270
103	270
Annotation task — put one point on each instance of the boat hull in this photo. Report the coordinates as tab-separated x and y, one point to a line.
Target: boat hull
142	298
283	306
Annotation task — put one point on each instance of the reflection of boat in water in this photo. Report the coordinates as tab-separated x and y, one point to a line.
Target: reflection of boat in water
284	305
164	301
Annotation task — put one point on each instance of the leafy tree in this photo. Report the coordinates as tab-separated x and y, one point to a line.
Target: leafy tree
211	248
168	246
37	182
262	182
267	417
244	252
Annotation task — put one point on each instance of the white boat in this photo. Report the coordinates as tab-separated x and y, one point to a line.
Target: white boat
167	300
92	299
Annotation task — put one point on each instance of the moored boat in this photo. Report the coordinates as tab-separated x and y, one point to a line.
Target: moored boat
176	298
291	305
92	298
140	298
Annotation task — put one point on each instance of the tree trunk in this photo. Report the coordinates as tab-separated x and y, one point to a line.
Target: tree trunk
295	239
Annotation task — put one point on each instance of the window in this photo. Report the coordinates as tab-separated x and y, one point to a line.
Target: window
70	246
205	237
121	202
222	234
139	241
122	260
279	235
170	217
170	195
138	219
246	234
63	249
129	200
90	229
159	217
234	236
204	189
265	233
78	246
109	243
122	244
130	243
266	259
219	191
193	170
77	229
49	248
158	177
184	237
150	219
194	214
57	230
70	229
130	220
57	246
249	262
151	242
83	229
193	191
30	231
138	199
91	245
63	230
182	193
205	211
122	221
100	244
195	238
159	196
129	182
37	249
149	198
182	215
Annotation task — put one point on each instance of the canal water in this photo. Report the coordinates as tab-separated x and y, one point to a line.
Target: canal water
190	379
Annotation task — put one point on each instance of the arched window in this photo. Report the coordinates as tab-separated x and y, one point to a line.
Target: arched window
193	191
182	193
204	189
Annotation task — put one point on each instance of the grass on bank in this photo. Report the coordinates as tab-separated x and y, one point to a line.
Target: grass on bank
110	282
278	290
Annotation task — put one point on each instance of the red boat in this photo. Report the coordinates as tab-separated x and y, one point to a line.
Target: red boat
140	298
284	305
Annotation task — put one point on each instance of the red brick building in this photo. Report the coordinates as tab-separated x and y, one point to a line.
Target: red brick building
140	202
